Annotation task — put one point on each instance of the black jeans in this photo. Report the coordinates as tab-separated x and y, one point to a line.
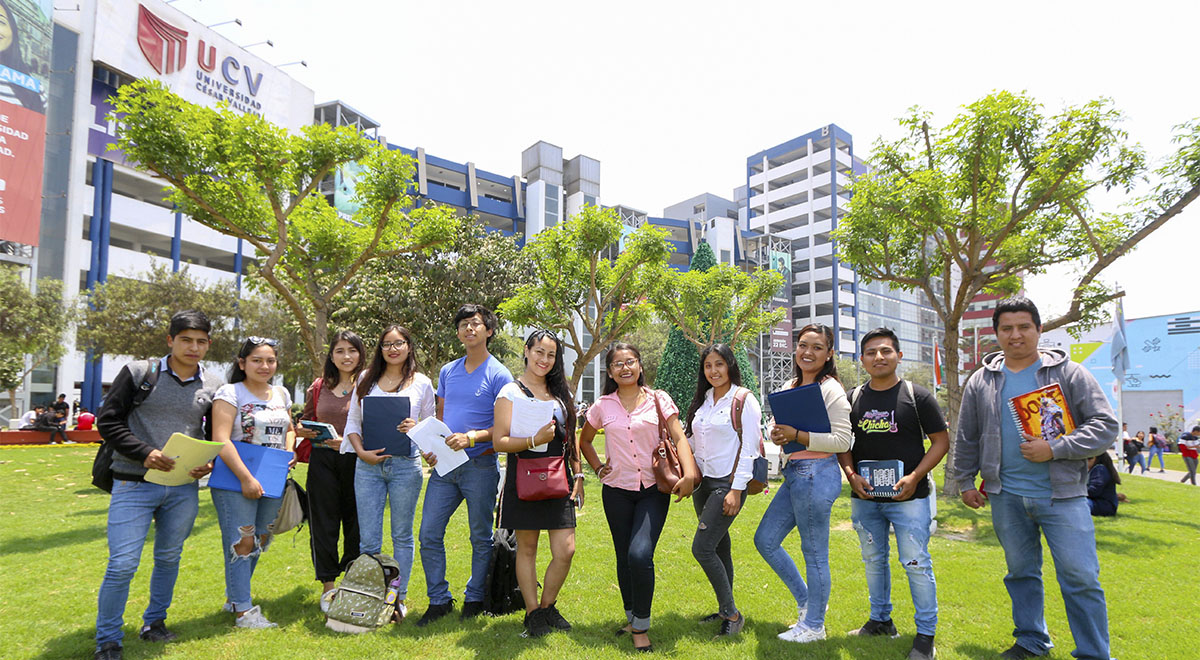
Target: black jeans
53	430
711	545
635	519
331	508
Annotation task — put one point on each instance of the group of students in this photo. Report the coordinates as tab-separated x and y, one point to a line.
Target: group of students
349	486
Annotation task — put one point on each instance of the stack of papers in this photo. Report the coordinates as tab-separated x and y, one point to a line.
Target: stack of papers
188	454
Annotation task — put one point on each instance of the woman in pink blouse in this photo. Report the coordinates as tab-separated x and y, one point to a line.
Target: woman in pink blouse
635	509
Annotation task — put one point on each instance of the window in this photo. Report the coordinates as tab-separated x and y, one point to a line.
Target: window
726	257
589	200
698	209
551	205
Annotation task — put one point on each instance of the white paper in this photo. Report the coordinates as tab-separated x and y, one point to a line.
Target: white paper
430	435
528	417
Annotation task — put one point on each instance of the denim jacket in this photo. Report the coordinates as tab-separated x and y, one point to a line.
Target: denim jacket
977	442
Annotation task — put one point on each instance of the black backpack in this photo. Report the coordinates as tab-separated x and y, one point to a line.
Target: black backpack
502	593
102	474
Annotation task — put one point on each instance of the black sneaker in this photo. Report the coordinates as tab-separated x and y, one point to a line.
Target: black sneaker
873	628
732	627
156	632
435	612
536	624
555	618
108	651
1018	652
711	618
472	609
922	648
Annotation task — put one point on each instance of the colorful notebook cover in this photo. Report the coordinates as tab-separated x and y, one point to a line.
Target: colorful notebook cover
267	464
1043	412
801	408
882	476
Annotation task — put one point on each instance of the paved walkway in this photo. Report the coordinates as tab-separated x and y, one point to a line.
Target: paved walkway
1169	475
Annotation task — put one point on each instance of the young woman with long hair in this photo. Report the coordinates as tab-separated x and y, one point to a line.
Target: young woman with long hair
628	412
249	409
544	379
331	504
726	464
380	478
812	480
10	56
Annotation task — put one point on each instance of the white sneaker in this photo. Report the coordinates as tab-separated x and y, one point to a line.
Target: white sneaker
801	633
227	607
326	600
401	612
253	618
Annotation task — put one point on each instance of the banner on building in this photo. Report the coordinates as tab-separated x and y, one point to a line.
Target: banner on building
25	35
781	334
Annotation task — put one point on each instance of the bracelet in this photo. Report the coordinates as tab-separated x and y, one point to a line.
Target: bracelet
530	443
797	435
579	476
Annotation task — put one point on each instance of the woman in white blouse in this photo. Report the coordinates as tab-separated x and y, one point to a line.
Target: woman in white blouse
726	464
380	477
811	482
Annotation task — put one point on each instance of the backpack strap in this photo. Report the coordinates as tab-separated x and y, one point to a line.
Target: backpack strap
735	418
148	382
912	398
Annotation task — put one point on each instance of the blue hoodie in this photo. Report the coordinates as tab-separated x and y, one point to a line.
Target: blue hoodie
977	442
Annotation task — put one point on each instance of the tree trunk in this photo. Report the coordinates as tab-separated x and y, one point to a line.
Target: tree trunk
320	338
951	340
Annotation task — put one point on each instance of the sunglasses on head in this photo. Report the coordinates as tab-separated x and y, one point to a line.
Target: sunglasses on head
259	341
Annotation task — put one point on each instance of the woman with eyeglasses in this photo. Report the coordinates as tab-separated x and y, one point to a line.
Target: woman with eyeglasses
812	480
380	478
544	379
249	409
726	462
629	414
332	509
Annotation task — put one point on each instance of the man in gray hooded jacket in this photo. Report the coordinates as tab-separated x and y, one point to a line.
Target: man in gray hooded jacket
1036	487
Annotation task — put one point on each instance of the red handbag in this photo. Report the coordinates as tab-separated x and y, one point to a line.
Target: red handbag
542	479
304	447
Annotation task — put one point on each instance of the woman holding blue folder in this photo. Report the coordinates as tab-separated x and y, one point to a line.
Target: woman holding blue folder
812	481
380	477
250	410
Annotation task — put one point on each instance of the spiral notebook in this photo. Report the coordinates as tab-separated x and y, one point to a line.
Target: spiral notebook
1043	412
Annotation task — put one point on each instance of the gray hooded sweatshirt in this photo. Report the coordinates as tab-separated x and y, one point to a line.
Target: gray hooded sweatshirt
977	443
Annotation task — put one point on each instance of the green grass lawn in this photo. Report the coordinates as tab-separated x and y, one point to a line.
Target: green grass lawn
54	553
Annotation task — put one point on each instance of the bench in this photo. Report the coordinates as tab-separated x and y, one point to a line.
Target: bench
43	437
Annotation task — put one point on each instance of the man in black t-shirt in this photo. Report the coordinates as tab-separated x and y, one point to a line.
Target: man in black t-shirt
891	419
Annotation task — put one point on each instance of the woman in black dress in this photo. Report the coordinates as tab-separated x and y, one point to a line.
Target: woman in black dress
544	379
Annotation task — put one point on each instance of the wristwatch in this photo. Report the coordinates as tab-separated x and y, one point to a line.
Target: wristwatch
471	437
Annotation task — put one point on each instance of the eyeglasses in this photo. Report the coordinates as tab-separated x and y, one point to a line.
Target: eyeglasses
476	323
259	341
630	363
394	345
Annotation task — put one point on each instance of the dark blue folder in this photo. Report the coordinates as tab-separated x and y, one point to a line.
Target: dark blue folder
381	415
267	464
802	408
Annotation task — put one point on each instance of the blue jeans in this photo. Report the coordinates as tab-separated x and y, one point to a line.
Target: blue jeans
240	518
474	481
911	520
1067	524
397	482
1155	450
134	504
802	503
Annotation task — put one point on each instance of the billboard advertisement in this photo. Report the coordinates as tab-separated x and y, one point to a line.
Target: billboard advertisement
25	34
153	40
781	334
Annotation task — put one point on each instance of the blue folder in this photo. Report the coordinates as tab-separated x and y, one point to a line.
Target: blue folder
267	464
802	408
381	415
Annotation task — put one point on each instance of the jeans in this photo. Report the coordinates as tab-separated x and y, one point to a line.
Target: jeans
1135	459
911	520
1067	525
133	505
333	512
474	481
1155	450
635	520
396	481
803	503
240	518
1190	463
711	545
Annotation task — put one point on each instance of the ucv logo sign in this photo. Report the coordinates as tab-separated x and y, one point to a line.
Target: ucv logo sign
163	44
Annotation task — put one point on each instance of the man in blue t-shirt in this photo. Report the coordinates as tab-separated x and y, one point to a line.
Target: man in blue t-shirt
466	397
1036	487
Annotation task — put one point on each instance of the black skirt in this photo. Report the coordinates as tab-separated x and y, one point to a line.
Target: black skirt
516	513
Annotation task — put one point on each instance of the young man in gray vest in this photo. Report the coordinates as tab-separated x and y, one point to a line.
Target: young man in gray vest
181	393
891	419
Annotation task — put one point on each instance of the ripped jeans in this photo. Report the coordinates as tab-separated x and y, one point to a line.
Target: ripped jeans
910	519
240	518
